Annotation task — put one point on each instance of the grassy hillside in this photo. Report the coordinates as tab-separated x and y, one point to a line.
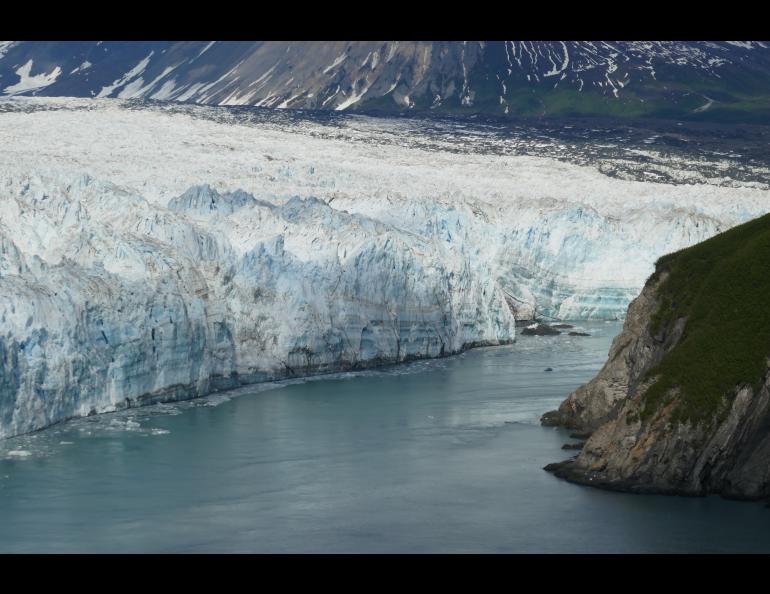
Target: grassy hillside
673	99
722	288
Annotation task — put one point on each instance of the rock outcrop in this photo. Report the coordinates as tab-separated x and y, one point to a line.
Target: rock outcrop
679	439
539	329
633	352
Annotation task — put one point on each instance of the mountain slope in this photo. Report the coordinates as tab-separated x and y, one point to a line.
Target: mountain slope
697	80
683	403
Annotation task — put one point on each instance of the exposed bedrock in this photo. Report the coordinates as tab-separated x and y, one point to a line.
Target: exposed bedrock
676	444
634	351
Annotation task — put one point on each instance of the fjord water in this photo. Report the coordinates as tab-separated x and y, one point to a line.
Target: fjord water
433	456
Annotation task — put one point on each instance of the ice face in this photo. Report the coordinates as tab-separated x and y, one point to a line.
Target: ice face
153	255
109	301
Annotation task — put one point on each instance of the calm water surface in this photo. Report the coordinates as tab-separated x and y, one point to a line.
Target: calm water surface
439	456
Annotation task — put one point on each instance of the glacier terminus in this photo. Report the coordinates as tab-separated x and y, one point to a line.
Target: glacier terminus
152	252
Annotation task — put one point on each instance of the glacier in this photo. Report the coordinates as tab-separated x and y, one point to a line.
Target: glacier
150	254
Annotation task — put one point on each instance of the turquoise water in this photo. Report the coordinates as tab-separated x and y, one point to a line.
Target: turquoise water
437	456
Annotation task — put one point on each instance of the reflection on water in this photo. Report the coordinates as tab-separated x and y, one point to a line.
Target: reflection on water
433	456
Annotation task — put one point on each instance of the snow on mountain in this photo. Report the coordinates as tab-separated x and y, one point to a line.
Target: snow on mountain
158	253
697	79
29	83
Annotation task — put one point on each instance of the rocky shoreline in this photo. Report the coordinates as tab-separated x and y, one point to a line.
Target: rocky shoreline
637	444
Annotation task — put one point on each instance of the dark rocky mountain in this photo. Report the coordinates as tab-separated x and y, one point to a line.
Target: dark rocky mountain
695	80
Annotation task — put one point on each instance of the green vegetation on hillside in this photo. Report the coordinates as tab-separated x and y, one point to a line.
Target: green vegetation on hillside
674	100
722	288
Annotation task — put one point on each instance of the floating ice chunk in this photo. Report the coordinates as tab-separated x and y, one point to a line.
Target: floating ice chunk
19	453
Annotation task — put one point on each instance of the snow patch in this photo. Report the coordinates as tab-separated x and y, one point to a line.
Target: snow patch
205	49
29	83
128	76
337	61
5	46
84	66
166	91
355	97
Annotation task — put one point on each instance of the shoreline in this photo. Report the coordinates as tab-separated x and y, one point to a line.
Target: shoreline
185	392
567	471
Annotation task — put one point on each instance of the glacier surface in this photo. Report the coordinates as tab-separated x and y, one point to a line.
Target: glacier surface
151	254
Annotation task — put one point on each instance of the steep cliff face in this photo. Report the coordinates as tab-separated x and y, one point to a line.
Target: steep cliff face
683	403
633	352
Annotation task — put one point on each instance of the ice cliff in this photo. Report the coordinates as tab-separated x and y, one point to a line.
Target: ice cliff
149	255
107	301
